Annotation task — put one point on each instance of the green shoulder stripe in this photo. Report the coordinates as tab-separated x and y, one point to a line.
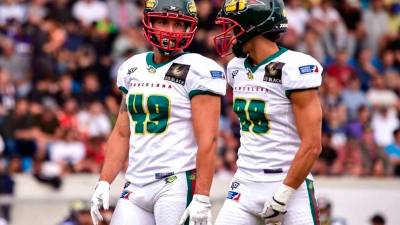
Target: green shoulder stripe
123	89
288	92
201	92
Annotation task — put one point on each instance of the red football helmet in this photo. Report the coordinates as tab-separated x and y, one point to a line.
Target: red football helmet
169	41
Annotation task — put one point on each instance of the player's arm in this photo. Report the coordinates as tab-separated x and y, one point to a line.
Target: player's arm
205	118
308	117
117	149
205	114
117	146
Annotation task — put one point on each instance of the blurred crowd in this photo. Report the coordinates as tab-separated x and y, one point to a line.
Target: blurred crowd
58	100
58	63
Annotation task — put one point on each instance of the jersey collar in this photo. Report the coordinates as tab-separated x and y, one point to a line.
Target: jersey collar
150	62
253	68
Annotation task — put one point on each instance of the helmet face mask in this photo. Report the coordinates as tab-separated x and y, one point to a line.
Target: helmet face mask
231	30
249	18
168	41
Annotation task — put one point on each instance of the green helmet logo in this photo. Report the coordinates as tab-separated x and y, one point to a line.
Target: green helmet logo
242	20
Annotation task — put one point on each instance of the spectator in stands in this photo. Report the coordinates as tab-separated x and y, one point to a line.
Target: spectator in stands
374	158
10	11
393	151
6	191
298	17
340	69
90	11
123	13
377	219
355	128
375	21
325	213
364	68
353	97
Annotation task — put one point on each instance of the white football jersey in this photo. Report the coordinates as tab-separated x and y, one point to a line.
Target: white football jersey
158	98
269	139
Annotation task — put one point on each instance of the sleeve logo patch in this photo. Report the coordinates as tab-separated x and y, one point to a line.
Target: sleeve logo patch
308	69
217	74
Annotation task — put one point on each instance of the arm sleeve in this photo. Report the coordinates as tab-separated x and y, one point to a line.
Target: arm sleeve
301	75
121	79
208	79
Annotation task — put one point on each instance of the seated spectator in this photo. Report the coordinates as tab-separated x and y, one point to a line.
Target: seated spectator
353	97
375	161
393	151
340	69
90	11
384	122
67	151
355	128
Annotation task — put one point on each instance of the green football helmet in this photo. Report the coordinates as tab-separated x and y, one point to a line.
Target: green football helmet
242	20
167	41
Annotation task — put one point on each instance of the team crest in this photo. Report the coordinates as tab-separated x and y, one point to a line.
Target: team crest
191	7
150	4
273	72
240	5
250	74
151	69
177	73
236	5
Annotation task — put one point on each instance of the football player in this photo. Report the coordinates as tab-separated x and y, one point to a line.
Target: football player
167	126
276	100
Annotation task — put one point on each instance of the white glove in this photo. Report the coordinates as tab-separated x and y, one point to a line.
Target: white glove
198	211
275	209
101	197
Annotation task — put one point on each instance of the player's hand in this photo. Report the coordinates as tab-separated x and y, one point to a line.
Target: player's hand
198	211
275	209
100	198
273	212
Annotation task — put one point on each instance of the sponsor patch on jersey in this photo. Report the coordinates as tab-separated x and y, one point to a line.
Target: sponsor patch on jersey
217	74
308	69
171	179
233	195
273	72
177	73
125	194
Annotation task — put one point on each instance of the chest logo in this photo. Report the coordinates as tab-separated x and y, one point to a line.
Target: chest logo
273	72
250	74
151	69
177	73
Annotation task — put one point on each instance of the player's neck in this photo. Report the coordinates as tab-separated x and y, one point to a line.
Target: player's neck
259	48
162	58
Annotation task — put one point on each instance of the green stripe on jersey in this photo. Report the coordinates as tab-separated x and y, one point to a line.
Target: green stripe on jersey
313	202
200	92
289	92
253	68
123	89
189	195
150	60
